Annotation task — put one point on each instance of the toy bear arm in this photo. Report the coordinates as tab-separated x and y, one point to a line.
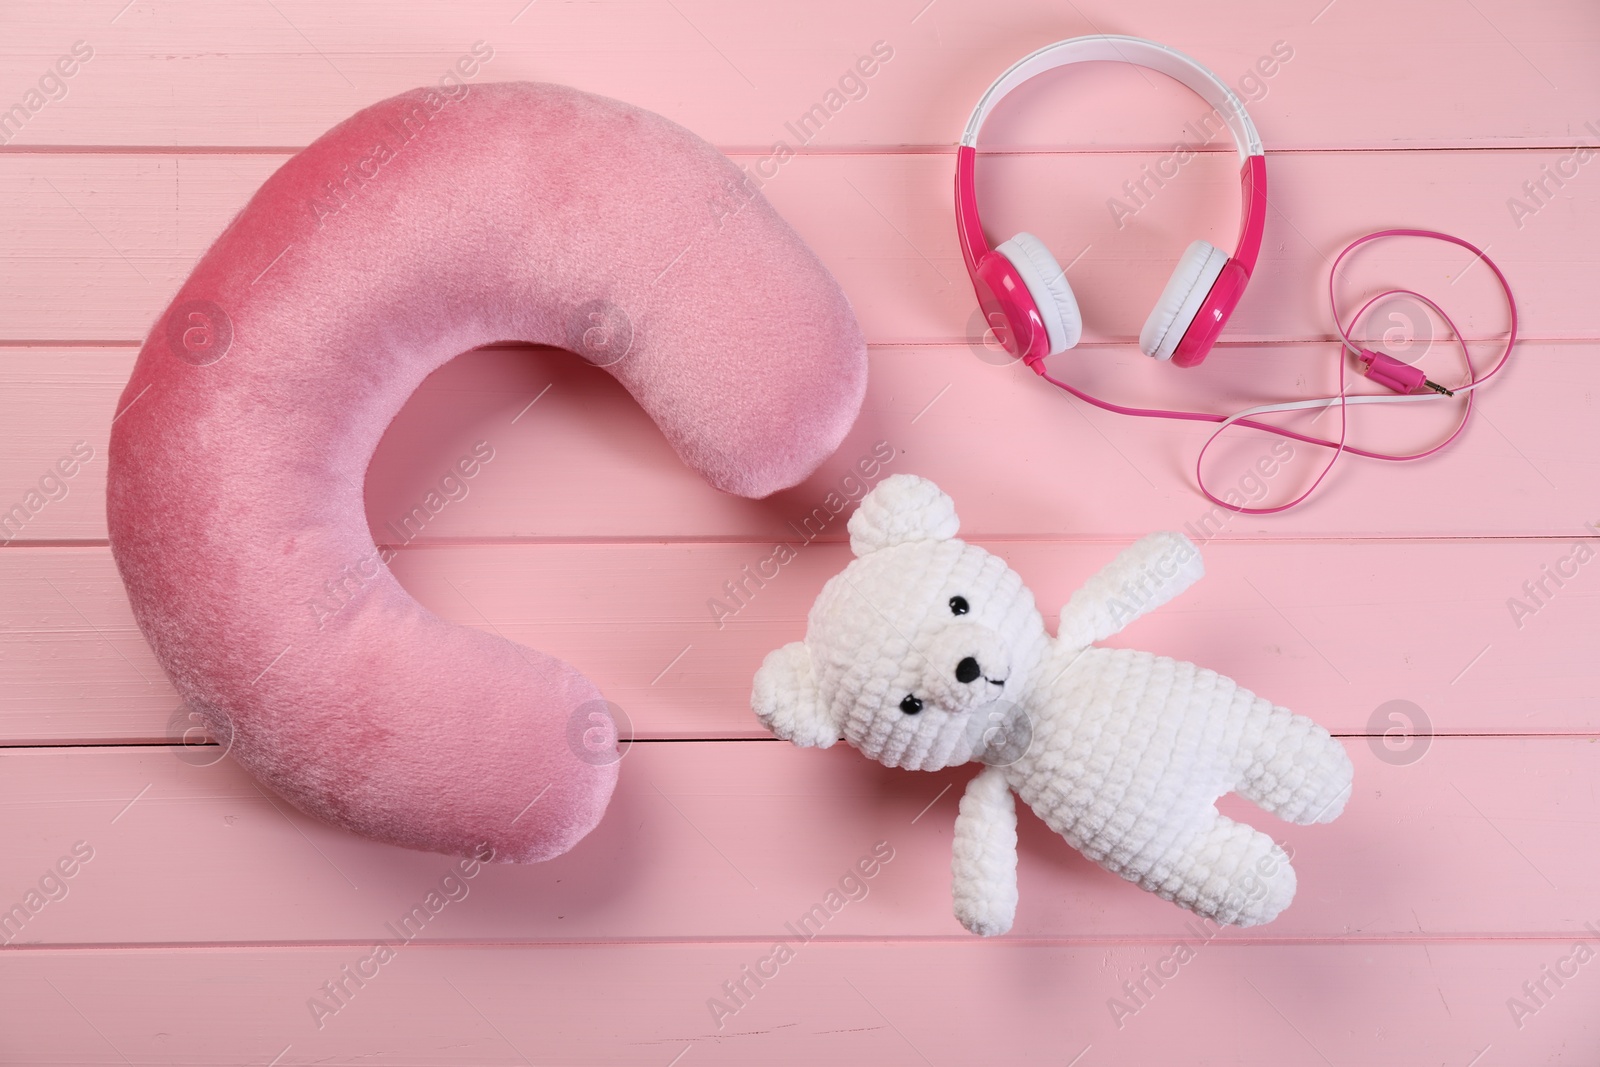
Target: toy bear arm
984	858
1144	576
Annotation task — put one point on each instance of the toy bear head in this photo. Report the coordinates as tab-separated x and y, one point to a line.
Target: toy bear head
919	653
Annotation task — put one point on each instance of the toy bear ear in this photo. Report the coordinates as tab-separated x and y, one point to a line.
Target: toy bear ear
902	508
785	698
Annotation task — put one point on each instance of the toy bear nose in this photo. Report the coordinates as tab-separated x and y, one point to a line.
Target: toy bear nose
963	665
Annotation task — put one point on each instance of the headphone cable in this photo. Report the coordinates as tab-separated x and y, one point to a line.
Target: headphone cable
1343	400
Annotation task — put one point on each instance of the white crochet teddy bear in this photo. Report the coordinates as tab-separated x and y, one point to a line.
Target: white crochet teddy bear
927	652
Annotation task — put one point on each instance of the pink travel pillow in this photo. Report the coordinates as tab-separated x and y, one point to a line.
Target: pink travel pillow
424	226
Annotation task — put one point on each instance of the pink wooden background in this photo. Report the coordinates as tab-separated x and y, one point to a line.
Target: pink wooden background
1464	873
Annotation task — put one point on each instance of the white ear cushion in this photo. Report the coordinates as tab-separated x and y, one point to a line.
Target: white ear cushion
1047	284
1180	301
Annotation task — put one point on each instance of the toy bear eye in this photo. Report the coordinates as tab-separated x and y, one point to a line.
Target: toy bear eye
910	705
959	606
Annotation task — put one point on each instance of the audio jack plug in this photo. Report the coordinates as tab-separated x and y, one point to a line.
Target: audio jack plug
1393	374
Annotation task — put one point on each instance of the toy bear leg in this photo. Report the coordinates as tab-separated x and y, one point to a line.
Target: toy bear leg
1290	766
1226	872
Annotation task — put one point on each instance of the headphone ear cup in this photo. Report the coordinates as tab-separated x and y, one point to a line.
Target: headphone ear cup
1180	301
1047	284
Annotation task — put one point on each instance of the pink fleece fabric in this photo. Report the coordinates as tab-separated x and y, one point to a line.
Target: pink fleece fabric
421	227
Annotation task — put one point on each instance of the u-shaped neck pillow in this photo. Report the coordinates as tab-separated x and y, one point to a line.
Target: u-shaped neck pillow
424	226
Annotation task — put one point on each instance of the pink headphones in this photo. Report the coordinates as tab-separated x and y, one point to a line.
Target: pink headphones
1023	290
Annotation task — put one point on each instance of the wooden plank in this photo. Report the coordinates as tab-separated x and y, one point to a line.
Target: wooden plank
1391	1003
105	241
884	1003
1333	630
892	1003
1066	471
714	840
210	75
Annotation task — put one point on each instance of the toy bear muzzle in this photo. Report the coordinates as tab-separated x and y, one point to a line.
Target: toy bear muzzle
966	666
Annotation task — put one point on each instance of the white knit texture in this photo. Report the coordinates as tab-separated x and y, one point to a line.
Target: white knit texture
983	862
927	652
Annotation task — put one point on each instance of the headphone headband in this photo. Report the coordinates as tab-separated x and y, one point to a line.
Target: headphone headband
1152	55
1031	303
